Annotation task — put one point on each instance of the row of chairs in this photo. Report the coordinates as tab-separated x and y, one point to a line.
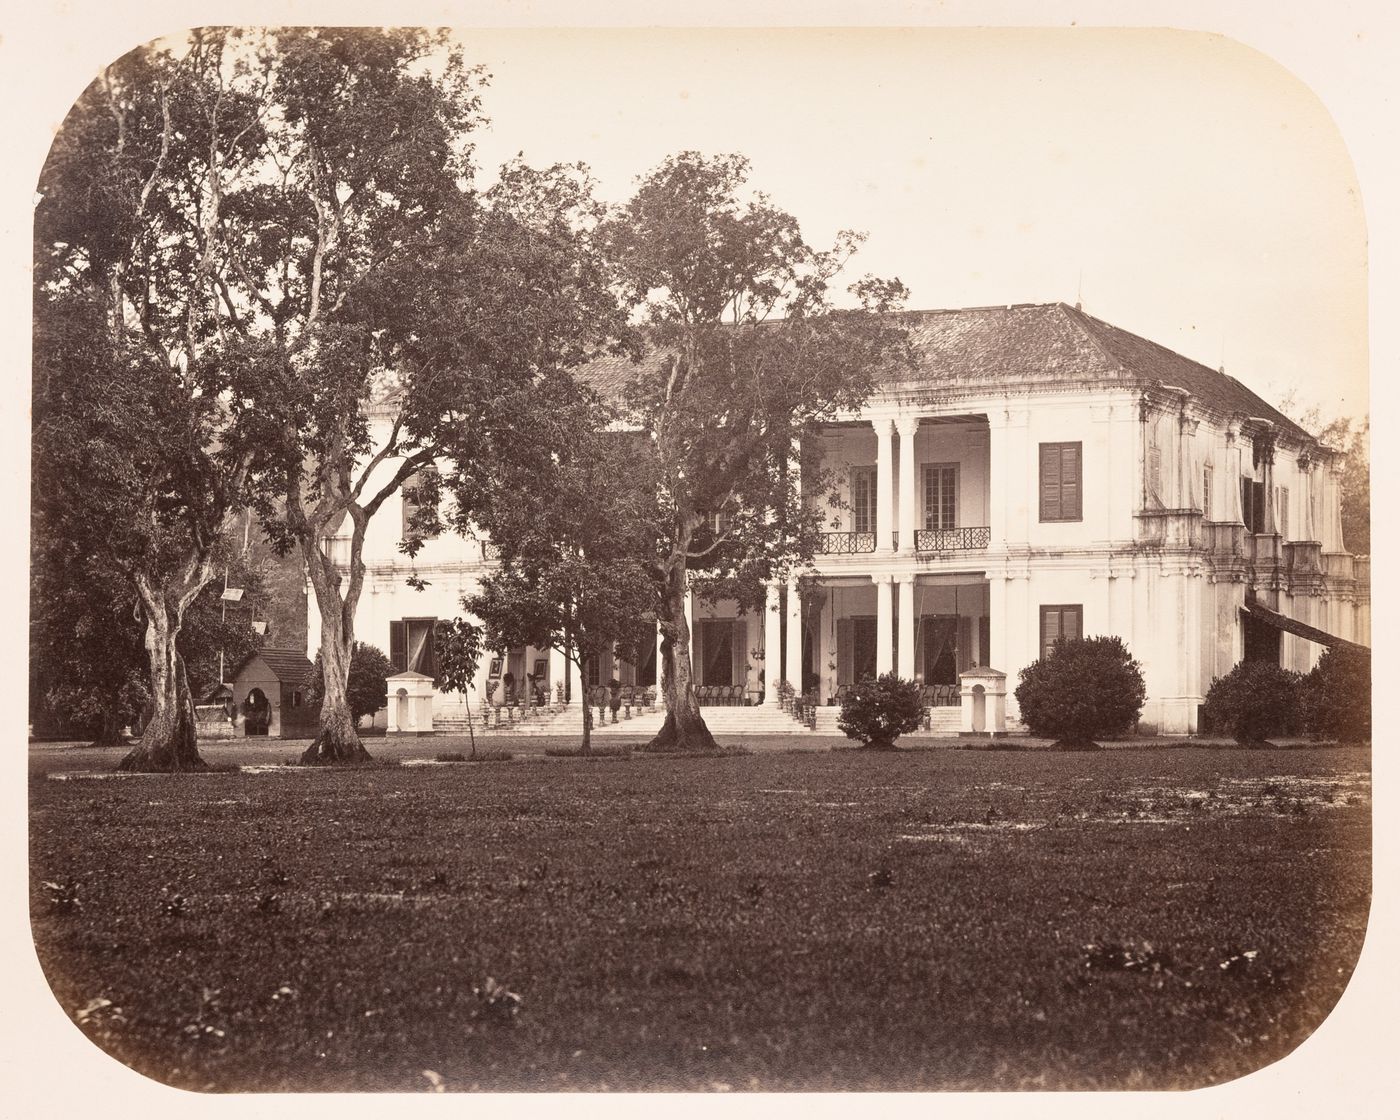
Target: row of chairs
731	695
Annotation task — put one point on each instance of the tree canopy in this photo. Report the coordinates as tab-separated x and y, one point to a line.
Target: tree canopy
745	354
570	508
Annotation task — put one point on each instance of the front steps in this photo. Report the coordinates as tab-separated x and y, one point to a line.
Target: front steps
759	720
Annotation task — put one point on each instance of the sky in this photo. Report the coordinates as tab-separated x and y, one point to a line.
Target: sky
1179	184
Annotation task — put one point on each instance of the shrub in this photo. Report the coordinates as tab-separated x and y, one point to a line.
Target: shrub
1336	696
366	689
1252	701
877	712
1086	688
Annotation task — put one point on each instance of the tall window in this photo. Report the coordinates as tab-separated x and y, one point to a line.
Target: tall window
1281	505
1154	476
1061	488
1060	621
863	499
411	646
1207	480
941	496
1252	505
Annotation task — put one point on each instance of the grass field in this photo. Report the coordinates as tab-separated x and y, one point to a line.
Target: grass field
834	920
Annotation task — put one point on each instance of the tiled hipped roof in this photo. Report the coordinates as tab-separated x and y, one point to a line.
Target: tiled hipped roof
290	666
1044	342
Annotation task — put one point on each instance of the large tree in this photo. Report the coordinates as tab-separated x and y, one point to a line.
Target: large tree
745	355
400	301
569	505
133	429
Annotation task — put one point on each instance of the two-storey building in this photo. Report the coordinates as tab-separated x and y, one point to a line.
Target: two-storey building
1041	473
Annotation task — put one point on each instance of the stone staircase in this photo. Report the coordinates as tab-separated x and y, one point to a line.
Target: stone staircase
726	721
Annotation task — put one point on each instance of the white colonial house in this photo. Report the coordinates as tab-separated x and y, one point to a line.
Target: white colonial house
1042	473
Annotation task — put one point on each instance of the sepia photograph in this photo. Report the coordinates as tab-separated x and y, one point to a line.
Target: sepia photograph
696	559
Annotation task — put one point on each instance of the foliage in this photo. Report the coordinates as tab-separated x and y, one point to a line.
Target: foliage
1087	688
1335	699
141	454
1252	701
879	711
745	353
457	651
382	300
1352	439
366	689
569	515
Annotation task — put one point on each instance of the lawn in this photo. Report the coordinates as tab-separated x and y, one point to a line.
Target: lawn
935	919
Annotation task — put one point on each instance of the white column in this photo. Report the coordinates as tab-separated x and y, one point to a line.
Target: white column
1332	540
884	619
908	484
906	627
690	624
996	477
794	638
658	660
558	672
884	484
1234	472
772	646
1307	478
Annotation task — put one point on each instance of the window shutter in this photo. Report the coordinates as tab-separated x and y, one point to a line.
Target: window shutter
1207	475
1072	622
1283	511
1070	504
1049	483
1049	630
397	646
430	651
1154	474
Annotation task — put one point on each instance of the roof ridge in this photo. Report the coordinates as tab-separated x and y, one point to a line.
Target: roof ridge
1075	315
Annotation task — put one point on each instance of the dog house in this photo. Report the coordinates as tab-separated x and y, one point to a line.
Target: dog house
269	689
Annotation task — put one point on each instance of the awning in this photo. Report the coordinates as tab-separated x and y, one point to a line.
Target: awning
1302	629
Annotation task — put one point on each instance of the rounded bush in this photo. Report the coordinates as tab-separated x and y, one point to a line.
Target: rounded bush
1336	696
1252	701
366	690
877	712
1085	689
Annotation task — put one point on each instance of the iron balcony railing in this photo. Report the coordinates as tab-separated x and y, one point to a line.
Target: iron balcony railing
847	544
952	540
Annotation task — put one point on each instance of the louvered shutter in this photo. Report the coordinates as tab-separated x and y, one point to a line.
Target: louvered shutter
1071	507
1049	482
398	646
1049	630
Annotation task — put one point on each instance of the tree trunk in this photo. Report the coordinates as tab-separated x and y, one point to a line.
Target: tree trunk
336	740
587	747
684	727
168	743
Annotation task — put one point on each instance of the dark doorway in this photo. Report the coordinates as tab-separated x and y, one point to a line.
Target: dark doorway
941	649
864	642
1261	641
717	651
257	713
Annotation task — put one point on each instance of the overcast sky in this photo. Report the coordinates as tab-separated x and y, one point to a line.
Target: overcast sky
1202	193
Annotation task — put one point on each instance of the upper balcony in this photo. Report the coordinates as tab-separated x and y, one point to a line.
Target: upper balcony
927	542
